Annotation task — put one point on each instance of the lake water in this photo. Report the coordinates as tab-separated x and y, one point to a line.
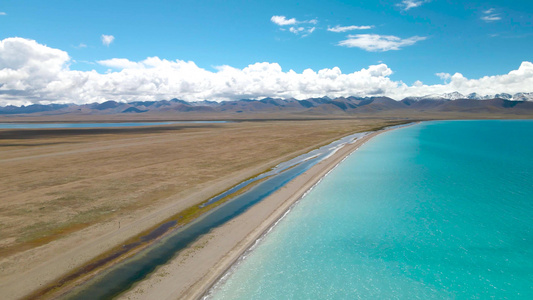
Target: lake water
439	210
92	125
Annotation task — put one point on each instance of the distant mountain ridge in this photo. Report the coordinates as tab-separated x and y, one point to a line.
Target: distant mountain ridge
476	96
450	102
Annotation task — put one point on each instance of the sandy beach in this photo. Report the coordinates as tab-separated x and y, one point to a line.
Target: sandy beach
194	271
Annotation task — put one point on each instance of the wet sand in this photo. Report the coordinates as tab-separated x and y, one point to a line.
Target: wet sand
196	269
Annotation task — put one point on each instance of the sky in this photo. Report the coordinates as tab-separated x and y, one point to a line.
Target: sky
83	52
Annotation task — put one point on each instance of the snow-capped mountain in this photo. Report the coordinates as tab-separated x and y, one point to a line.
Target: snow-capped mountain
506	96
453	96
447	96
452	102
523	97
474	96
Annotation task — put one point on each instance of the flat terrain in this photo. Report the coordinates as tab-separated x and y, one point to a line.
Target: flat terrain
62	189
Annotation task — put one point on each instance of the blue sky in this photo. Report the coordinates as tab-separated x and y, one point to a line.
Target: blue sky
474	38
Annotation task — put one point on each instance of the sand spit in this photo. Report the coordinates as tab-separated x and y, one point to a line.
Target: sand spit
195	270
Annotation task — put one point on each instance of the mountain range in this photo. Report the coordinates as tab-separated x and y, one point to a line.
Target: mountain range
452	102
476	96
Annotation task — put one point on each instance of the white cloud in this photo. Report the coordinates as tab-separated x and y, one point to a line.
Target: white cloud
444	76
282	20
81	45
490	16
513	82
296	30
34	73
107	39
339	28
2	13
408	4
304	30
418	83
120	63
375	42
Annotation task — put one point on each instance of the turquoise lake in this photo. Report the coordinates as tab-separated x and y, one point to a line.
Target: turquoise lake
438	210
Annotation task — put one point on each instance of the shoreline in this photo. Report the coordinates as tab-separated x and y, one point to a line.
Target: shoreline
269	224
210	258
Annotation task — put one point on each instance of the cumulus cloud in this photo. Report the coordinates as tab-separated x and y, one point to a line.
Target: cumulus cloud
516	81
302	29
34	73
120	63
408	4
444	76
296	30
490	16
282	20
378	43
107	39
339	28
